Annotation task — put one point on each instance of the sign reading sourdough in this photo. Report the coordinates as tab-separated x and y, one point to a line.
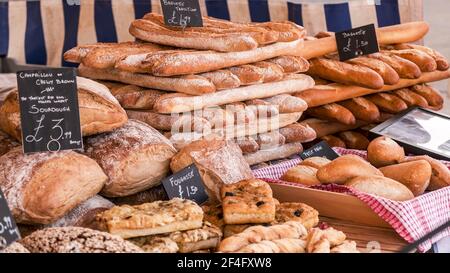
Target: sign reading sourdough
49	112
182	13
186	184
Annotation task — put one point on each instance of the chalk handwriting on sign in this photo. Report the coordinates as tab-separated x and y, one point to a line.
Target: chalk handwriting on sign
186	184
182	13
357	42
9	232
321	149
49	112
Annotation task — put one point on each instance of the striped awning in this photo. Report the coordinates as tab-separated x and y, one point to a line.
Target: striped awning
38	32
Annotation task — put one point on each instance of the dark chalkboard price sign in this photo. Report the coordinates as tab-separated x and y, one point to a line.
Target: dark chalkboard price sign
9	233
182	13
186	184
357	42
321	149
49	110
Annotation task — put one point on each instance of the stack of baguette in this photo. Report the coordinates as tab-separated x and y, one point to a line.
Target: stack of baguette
225	79
370	89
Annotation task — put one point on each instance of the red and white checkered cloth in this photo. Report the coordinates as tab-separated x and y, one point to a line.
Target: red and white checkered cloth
411	219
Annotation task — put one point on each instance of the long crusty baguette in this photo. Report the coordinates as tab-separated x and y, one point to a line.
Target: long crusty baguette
403	33
291	64
282	151
405	68
181	62
76	54
247	74
134	97
411	98
190	84
263	108
441	61
332	112
290	84
271	71
320	94
389	75
362	109
425	62
345	73
324	127
298	132
287	103
222	79
269	140
388	102
433	97
247	144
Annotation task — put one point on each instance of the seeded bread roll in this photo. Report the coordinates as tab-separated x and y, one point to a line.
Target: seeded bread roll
77	240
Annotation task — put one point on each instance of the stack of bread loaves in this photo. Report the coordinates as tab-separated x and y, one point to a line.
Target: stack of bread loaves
370	89
225	79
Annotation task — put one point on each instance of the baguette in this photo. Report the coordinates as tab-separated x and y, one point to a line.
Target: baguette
354	140
333	112
247	144
291	64
441	61
411	98
297	132
432	95
324	127
320	94
334	141
76	54
247	74
174	123
135	97
178	104
388	102
345	73
389	75
271	72
405	68
425	62
190	84
403	33
263	108
362	109
287	103
282	151
222	79
182	62
270	140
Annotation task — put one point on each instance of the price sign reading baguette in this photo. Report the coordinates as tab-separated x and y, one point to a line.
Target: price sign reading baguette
186	184
321	149
9	233
182	13
357	42
49	112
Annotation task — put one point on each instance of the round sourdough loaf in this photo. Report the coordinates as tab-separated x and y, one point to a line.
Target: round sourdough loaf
135	157
42	187
76	240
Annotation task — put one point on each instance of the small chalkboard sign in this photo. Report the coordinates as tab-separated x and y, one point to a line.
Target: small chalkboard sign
186	184
49	112
321	149
9	233
182	13
357	42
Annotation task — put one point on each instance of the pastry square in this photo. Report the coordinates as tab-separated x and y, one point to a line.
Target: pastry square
248	202
299	212
151	218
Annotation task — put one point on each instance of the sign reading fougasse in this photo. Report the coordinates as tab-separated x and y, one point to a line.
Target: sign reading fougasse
49	112
321	149
357	42
186	184
9	233
182	13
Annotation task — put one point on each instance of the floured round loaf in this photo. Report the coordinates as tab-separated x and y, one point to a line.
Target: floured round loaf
15	248
6	143
135	157
77	240
42	187
219	162
99	111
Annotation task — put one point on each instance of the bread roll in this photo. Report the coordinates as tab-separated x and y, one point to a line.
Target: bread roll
344	168
135	157
354	140
415	175
334	141
218	161
383	151
99	111
315	162
42	187
304	175
440	176
381	186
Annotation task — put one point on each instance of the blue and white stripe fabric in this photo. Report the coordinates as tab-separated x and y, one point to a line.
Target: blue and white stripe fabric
38	32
